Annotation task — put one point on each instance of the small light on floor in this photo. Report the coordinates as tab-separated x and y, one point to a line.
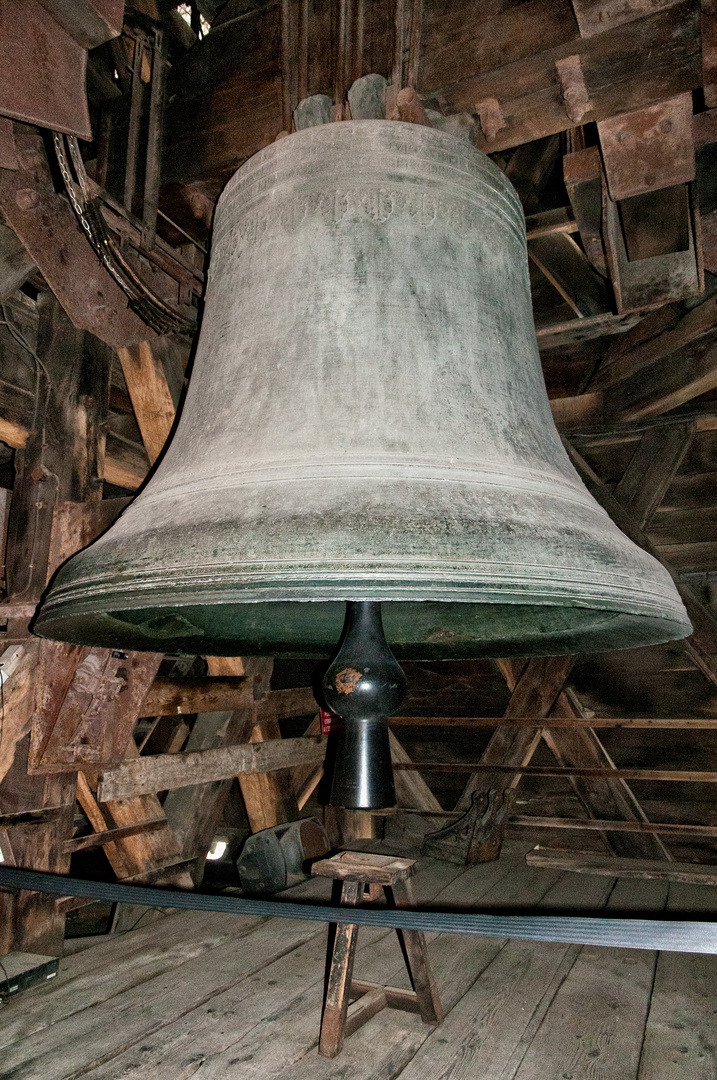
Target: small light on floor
217	849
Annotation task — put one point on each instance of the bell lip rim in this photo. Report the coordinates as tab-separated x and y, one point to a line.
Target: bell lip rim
663	630
53	617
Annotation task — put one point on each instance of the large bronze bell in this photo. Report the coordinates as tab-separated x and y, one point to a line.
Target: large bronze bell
366	420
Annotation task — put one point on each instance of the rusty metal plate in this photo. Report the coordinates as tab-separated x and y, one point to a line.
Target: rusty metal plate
43	70
595	16
649	148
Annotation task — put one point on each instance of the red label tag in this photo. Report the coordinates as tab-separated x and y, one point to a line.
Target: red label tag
326	718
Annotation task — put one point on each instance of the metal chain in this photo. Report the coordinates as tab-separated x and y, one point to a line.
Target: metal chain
156	314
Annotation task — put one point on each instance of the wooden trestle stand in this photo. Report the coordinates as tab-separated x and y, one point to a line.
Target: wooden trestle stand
356	871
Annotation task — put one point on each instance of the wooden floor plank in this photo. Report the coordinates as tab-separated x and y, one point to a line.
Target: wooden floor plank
134	959
280	993
284	1045
72	1046
234	999
493	1024
271	1022
595	1025
681	1031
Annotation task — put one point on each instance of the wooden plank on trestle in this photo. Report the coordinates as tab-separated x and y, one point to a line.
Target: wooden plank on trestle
277	1026
494	996
189	991
587	862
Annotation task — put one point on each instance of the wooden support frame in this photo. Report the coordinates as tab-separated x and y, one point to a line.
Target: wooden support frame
162	772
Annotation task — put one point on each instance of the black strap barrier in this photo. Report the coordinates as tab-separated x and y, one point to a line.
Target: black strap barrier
668	935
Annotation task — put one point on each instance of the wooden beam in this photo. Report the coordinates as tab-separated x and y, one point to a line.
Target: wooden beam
269	797
17	408
18	669
89	705
685	776
535	690
627	67
659	335
527	821
126	463
169	771
701	646
282	704
651	470
697	723
150	395
29	921
140	856
579	410
582	747
548	222
215	693
22	818
62	456
672	381
509	56
584	862
178	697
408	792
194	811
49	231
99	839
566	267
